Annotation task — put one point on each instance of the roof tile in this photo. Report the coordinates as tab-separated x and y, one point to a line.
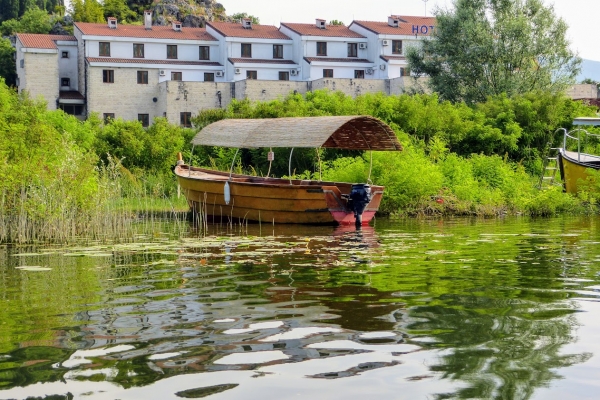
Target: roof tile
40	41
231	29
139	31
259	61
147	61
346	60
405	27
329	31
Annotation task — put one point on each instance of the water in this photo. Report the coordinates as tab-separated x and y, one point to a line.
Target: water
418	309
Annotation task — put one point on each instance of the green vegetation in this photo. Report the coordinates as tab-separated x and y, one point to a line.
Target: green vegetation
485	48
484	159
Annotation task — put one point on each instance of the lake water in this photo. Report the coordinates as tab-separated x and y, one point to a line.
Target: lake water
459	308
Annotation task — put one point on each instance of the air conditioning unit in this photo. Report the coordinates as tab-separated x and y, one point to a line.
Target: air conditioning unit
162	72
382	67
238	71
362	46
293	72
369	71
385	42
219	74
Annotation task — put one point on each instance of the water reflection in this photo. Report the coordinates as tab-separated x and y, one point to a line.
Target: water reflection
444	309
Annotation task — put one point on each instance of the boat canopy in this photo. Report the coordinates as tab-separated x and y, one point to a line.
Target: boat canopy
587	121
343	132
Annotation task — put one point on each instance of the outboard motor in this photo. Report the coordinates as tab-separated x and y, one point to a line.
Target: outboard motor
360	197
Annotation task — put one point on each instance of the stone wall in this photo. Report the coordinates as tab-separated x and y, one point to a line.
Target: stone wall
177	97
258	90
124	98
41	81
350	87
583	91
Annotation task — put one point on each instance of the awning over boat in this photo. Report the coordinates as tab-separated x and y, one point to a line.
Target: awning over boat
586	121
344	132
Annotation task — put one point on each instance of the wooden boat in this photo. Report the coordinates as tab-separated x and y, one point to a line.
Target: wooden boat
573	164
224	196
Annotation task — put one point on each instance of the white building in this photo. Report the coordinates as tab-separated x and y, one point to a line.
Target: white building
145	71
329	51
389	42
254	51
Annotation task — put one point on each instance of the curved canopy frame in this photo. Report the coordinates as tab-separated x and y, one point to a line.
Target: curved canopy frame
343	132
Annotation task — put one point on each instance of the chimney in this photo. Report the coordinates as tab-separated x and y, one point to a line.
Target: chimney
393	21
148	19
247	23
320	23
112	22
177	26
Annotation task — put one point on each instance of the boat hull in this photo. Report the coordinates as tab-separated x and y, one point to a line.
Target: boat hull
573	168
270	200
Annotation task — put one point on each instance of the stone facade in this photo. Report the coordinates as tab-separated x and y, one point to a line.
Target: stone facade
125	98
40	82
583	91
175	97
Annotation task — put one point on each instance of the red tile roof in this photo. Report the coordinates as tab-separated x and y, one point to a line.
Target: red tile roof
139	31
329	31
259	61
39	41
388	58
70	95
147	61
346	60
231	29
405	27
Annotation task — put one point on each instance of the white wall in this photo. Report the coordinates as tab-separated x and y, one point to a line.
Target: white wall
67	67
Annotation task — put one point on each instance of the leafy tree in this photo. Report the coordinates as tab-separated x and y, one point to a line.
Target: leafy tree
7	64
240	16
87	11
589	81
120	10
489	47
35	20
336	22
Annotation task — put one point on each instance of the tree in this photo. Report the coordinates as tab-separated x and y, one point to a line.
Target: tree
120	10
335	22
8	69
34	20
490	47
87	11
240	16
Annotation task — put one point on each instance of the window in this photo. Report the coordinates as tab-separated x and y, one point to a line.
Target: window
327	73
172	51
359	74
71	109
176	76
284	75
321	48
352	49
138	50
142	77
65	82
209	77
65	54
108	117
108	76
144	119
204	53
404	71
247	50
185	119
251	75
104	50
396	46
277	51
